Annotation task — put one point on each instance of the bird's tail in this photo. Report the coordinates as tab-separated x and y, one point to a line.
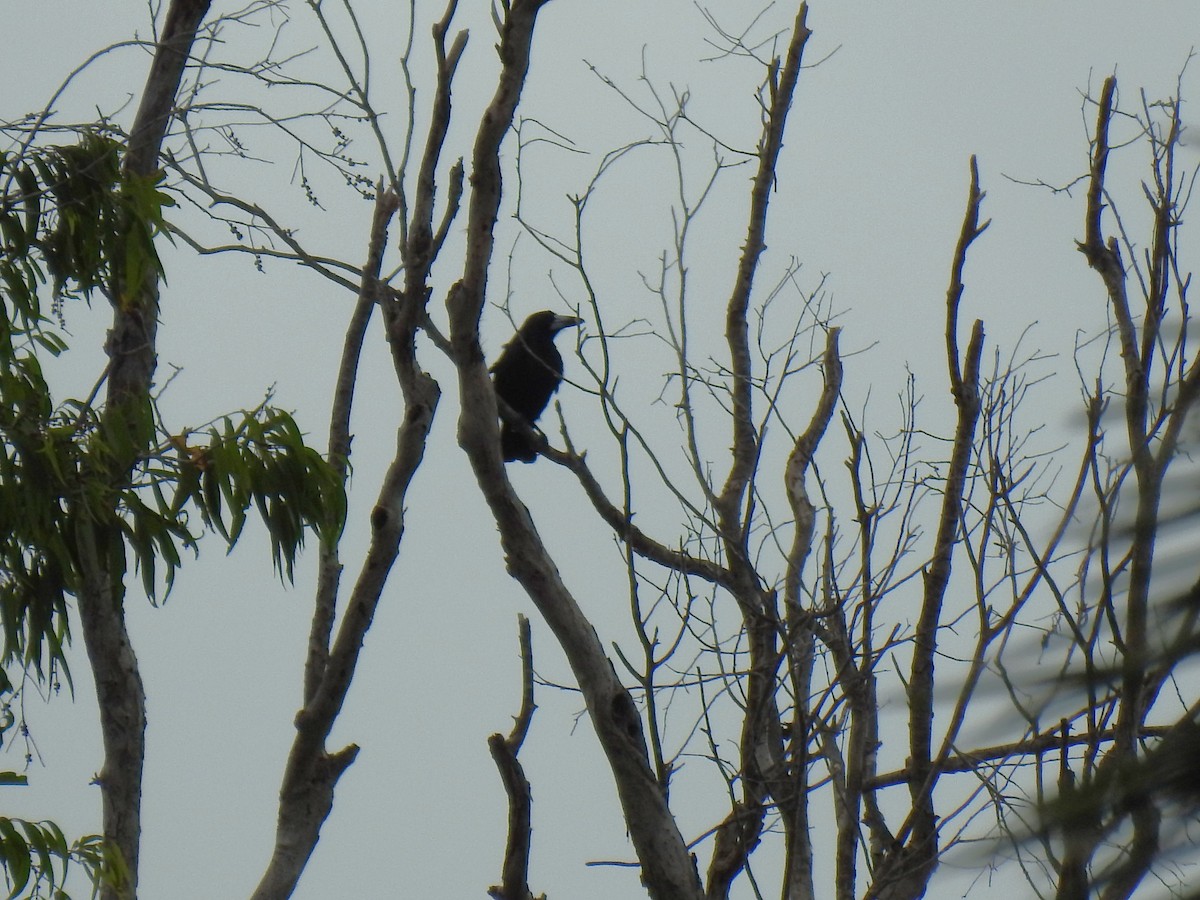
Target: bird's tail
515	445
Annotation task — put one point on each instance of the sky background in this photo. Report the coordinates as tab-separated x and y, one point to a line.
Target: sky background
871	188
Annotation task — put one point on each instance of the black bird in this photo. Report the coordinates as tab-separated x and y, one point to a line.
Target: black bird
527	373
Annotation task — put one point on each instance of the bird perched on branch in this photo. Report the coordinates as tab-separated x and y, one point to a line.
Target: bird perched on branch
527	373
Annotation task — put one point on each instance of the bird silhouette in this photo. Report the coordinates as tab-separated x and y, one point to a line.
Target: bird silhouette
525	376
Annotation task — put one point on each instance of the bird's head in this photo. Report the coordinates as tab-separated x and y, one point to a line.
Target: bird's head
548	322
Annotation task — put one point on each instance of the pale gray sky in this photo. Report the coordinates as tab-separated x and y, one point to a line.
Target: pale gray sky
871	189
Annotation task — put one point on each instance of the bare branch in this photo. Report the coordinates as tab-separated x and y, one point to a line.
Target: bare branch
781	87
667	868
912	863
330	569
515	885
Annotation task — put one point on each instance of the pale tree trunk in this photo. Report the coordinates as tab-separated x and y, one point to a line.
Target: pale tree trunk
132	359
312	771
668	868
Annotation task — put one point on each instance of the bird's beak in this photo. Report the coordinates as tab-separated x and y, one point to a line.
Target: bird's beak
561	322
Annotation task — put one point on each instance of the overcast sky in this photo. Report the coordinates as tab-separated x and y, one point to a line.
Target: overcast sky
870	195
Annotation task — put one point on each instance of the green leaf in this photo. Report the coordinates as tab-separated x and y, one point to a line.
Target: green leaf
36	840
31	200
14	854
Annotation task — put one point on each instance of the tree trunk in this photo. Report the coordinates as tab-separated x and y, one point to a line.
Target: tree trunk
132	359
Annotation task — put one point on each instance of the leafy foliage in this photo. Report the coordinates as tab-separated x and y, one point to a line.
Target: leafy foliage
74	222
260	461
73	217
101	226
36	858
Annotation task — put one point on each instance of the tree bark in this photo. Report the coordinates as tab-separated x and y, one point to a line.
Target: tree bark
908	865
312	772
668	868
132	359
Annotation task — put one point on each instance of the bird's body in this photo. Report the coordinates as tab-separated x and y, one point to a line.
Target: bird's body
526	375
